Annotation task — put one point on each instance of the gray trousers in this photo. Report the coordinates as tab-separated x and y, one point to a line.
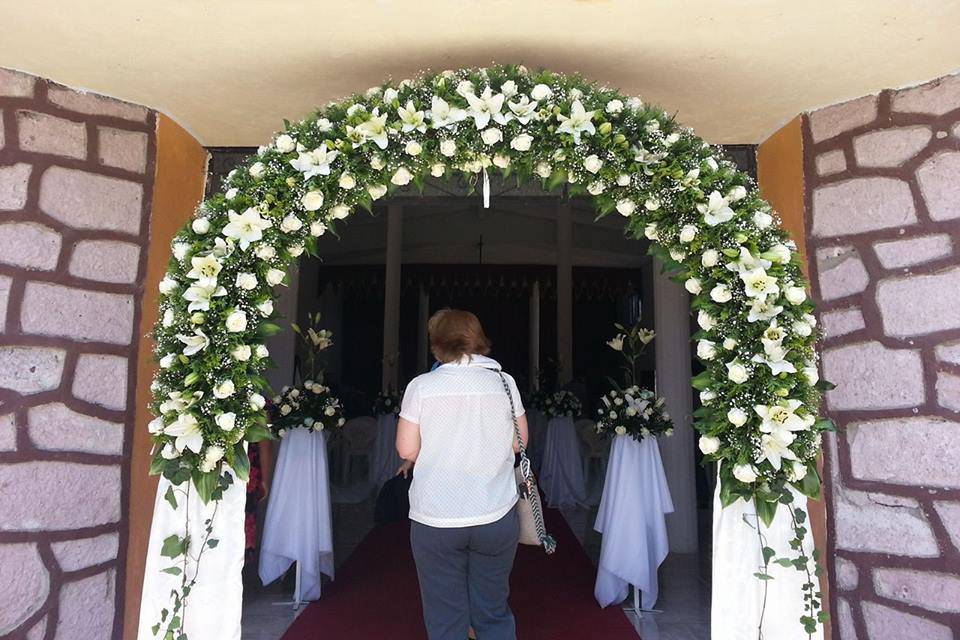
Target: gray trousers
465	578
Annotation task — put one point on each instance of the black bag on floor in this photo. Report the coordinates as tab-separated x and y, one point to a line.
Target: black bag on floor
393	501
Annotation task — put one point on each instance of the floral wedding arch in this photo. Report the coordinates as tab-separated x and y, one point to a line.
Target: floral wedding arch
759	389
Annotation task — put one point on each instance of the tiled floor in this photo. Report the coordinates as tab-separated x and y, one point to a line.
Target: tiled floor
683	608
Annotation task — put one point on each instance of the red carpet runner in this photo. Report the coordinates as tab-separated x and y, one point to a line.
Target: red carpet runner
376	597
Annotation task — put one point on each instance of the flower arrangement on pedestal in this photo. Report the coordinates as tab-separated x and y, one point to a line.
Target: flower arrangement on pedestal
562	404
387	403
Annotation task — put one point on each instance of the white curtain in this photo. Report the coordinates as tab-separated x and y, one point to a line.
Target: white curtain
561	476
216	600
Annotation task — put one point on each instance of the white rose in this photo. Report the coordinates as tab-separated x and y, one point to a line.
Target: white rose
677	255
376	162
295	250
329	411
797	471
710	258
180	250
413	148
448	148
167	361
615	106
762	219
737	193
200	225
802	329
575	94
224	390
242	352
737	373
347	181
693	286
592	163
257	169
707	396
226	421
706	350
291	223
811	374
324	125
265	308
721	293
231	193
377	191
312	200
262	351
491	135
246	281
522	142
168	318
778	254
401	177
541	92
275	277
169	452
285	143
501	161
437	170
266	252
729	343
236	321
709	444
737	417
745	473
465	87
621	430
340	212
626	207
623	180
544	170
705	320
317	229
652	204
688	233
257	401
651	231
795	295
389	95
168	285
595	188
509	89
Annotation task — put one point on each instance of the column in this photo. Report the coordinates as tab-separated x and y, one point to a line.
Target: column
391	298
534	336
423	316
565	290
672	355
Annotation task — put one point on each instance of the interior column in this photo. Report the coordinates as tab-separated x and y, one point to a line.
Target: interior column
672	353
423	316
565	290
534	336
391	298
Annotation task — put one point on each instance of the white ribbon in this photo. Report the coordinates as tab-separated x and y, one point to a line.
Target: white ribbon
486	190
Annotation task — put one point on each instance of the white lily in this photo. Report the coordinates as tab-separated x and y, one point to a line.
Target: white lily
524	109
775	358
374	129
716	210
486	106
186	430
195	343
747	262
412	119
442	115
201	293
578	122
772	336
761	310
757	284
617	342
781	416
775	447
246	227
316	162
205	269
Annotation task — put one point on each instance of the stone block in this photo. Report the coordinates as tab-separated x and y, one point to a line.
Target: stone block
948	391
869	375
884	623
908	451
43	133
56	427
8	433
865	523
860	205
925	589
87	607
24	584
834	120
848	577
29	370
14	179
895	254
831	162
88	201
949	513
841	272
5	283
87	316
937	97
73	555
915	305
845	619
890	147
939	178
39	630
106	261
14	84
949	352
101	379
29	245
841	322
123	149
956	130
40	495
95	104
2	140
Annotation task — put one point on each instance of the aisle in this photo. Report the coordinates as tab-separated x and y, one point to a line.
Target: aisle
376	596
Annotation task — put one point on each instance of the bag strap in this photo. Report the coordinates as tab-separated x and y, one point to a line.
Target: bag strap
533	495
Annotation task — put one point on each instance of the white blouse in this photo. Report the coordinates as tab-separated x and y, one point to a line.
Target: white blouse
464	472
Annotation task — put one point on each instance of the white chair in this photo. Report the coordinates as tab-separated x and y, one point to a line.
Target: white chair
356	442
594	447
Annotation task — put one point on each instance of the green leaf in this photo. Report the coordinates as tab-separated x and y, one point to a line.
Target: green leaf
157	464
241	462
762	576
170	497
810	485
173	546
766	511
270	329
258	433
824	385
784	562
701	381
212	543
205	483
768	554
174	571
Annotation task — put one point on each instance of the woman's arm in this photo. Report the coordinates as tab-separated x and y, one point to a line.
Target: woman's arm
408	439
524	433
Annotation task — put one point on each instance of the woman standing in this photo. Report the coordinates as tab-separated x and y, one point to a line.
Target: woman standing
455	423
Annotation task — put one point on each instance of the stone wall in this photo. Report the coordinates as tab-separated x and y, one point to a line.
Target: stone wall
76	173
883	234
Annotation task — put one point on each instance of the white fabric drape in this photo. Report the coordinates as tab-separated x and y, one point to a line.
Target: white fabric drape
384	459
738	595
298	525
561	473
216	600
632	520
